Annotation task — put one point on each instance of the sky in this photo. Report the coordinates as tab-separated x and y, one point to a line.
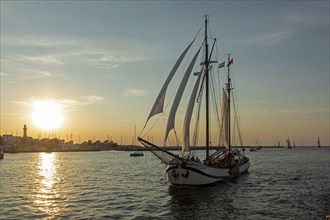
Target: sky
102	63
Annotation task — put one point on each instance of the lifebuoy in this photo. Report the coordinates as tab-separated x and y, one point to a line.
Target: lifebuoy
174	174
186	175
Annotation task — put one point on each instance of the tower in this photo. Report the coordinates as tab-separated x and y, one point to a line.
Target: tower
24	131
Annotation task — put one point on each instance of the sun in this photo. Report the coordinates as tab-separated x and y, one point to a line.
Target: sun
47	114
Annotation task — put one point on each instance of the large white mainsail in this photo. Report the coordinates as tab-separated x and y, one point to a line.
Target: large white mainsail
171	117
187	118
159	103
224	119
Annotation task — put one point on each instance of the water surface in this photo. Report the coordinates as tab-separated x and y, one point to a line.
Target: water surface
281	184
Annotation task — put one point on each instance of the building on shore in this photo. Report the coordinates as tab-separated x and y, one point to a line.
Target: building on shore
15	144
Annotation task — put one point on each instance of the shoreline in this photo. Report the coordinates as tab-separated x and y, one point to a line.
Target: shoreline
139	148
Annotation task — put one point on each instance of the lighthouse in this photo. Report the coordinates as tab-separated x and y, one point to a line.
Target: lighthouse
24	131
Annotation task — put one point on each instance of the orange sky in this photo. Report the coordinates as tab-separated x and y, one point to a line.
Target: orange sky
105	70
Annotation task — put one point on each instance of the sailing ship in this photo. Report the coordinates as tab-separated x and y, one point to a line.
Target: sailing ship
136	153
318	142
258	147
288	142
186	168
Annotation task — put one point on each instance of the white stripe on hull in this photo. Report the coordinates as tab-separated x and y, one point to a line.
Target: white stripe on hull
194	174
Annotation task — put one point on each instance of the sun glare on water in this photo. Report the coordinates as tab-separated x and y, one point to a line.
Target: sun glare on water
47	115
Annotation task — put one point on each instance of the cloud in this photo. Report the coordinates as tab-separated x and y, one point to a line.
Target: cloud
73	103
303	110
45	59
30	74
65	104
273	100
288	112
134	92
37	41
25	75
282	25
303	19
106	59
64	51
89	99
269	39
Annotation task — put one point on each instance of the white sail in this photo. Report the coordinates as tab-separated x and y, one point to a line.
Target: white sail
159	103
223	163
224	119
178	96
187	118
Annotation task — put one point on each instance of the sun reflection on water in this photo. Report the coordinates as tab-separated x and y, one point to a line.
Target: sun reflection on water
46	194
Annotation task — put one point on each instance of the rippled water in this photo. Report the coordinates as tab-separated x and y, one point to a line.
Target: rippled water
282	184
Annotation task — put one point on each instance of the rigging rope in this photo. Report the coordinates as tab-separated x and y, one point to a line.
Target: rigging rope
199	101
215	104
237	120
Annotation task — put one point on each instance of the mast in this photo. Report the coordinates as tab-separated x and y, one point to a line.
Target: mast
206	63
228	104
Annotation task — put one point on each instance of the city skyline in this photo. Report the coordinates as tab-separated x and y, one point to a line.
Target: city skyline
89	65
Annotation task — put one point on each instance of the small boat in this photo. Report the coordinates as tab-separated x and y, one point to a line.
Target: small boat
137	154
183	169
258	146
2	154
288	142
253	149
318	142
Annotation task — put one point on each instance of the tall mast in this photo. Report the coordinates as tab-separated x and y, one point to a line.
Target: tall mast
206	63
228	104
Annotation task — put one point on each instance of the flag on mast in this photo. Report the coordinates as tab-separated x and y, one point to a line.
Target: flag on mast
230	62
221	65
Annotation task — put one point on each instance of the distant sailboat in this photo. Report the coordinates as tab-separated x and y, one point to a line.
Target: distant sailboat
278	144
318	142
252	149
288	143
186	169
257	146
136	153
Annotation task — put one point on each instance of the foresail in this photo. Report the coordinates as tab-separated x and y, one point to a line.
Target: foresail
159	103
178	96
224	119
187	118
